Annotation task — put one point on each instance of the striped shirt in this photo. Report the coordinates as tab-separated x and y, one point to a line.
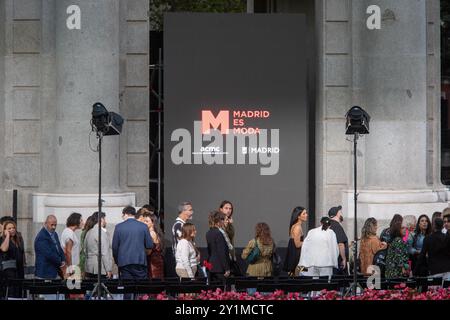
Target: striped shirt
176	233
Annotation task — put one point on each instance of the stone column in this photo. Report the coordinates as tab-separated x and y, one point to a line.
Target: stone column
390	79
390	83
86	70
2	101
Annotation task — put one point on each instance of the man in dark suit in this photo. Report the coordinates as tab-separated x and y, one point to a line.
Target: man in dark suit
218	252
50	259
435	254
131	244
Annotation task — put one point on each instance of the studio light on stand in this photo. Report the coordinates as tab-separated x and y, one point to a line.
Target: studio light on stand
357	122
103	123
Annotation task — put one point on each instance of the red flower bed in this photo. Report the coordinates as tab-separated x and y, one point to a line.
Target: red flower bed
227	295
401	292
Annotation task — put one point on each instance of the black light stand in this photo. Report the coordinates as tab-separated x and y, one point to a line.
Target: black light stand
99	285
103	123
99	258
357	123
355	199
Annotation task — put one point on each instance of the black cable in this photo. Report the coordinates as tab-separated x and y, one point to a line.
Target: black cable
90	145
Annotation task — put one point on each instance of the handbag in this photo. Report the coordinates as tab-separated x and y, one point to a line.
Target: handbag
6	262
9	264
276	262
254	254
379	259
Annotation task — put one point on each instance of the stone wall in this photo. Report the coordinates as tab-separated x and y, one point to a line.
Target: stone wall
393	73
50	78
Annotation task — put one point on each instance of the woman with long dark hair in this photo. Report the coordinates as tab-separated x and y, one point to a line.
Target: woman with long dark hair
13	256
226	207
434	259
262	266
88	225
397	254
423	229
155	260
386	233
298	217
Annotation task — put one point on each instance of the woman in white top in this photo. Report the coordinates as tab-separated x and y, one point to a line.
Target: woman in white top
187	255
320	251
70	242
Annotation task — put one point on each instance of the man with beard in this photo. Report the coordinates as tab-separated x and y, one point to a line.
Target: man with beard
335	214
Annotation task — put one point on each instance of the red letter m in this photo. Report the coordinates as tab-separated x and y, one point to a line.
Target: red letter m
222	120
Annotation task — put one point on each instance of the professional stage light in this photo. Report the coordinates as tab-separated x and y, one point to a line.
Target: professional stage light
357	121
108	123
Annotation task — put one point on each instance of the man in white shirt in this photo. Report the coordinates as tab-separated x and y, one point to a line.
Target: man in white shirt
320	251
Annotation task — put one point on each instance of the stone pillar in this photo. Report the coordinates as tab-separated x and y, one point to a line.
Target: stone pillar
80	67
87	66
390	82
20	46
333	99
393	74
2	101
50	77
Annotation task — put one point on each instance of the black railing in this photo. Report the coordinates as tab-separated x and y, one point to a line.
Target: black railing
174	286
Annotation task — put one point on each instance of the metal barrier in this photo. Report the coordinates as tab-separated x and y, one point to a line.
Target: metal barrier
175	286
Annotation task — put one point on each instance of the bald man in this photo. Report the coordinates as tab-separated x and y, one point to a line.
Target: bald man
48	252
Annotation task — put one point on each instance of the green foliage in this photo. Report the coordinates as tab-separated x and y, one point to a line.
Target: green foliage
158	7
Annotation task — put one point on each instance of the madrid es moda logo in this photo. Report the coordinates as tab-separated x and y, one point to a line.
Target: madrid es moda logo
214	142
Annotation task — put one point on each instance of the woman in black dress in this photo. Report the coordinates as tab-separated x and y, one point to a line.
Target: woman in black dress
298	217
12	256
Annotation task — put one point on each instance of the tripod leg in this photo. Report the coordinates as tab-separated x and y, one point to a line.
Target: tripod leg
105	289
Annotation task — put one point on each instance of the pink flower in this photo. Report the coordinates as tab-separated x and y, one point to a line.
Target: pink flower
402	292
162	296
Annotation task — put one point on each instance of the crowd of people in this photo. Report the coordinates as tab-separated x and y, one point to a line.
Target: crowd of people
404	249
408	247
136	248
